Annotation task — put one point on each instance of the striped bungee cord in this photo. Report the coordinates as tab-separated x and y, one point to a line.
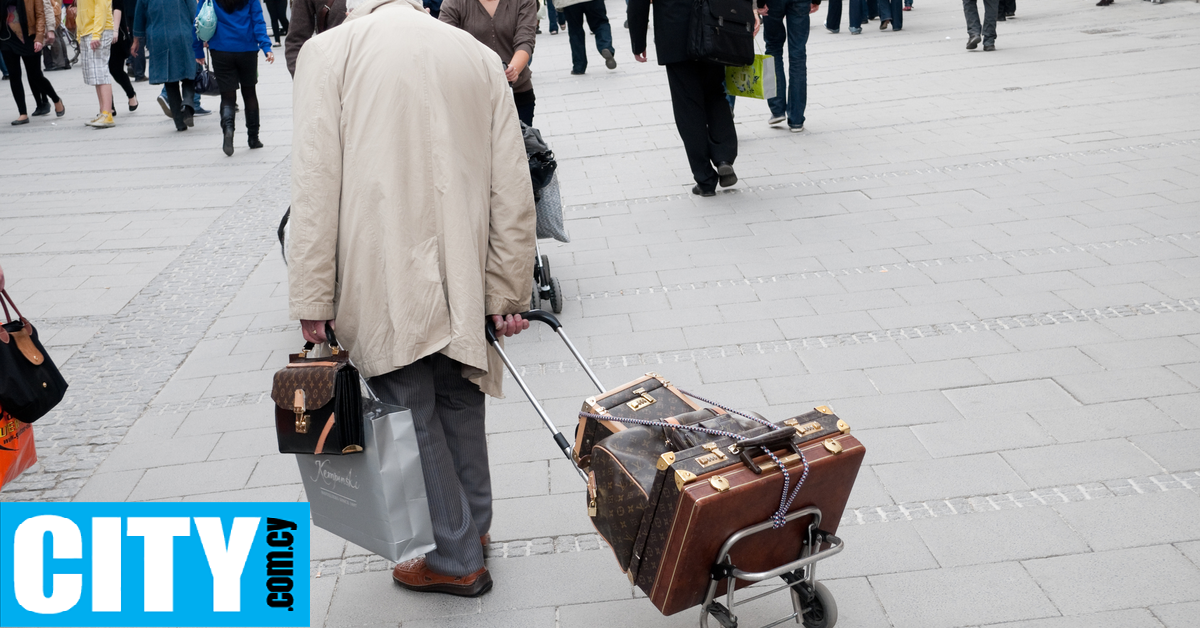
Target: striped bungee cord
779	518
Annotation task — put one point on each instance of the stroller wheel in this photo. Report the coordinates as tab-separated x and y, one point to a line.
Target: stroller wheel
545	270
555	296
534	301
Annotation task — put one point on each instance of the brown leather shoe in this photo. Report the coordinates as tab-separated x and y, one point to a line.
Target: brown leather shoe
414	575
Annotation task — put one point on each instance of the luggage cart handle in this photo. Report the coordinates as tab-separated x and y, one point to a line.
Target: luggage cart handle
542	316
549	319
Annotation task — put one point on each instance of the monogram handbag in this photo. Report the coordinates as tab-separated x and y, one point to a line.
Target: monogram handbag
30	384
318	403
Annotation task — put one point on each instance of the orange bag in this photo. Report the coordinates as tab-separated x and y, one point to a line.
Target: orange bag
17	451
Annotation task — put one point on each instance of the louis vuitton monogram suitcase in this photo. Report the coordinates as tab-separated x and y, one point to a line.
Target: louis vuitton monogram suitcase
650	397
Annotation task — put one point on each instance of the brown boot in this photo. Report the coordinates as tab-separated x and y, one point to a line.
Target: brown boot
415	575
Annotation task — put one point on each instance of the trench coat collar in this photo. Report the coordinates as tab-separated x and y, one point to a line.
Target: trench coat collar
368	7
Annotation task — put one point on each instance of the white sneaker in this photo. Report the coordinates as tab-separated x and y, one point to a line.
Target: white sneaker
796	129
773	120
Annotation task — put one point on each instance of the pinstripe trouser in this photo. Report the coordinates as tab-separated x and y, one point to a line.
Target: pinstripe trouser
448	413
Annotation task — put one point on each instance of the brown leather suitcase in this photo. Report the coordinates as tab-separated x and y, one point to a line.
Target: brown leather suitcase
706	497
623	471
650	397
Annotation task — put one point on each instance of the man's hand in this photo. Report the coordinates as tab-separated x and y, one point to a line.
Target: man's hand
510	325
270	57
133	48
641	58
757	24
314	331
200	61
811	10
50	36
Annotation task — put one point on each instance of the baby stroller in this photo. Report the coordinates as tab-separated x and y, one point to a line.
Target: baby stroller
542	168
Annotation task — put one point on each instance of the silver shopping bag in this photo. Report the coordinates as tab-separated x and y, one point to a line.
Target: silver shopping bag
375	499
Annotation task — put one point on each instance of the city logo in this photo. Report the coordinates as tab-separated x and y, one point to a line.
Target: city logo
160	564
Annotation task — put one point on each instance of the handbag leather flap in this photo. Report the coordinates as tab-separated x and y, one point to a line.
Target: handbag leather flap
25	344
740	11
316	380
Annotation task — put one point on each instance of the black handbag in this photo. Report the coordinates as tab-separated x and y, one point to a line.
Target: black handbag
30	384
206	81
318	403
722	31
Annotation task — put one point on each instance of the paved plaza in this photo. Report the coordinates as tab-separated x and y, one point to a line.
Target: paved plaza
988	264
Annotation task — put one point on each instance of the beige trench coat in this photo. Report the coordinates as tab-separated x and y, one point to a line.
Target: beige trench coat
412	208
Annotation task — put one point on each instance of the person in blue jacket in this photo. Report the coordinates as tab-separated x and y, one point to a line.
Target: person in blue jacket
166	26
241	33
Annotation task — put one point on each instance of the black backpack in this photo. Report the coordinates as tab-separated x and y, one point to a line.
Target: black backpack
722	31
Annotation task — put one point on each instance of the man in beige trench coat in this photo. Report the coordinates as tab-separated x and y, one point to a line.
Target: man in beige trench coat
413	218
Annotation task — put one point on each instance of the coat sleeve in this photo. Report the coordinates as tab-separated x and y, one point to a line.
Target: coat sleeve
300	30
316	185
39	22
638	15
99	15
48	11
513	218
260	26
139	20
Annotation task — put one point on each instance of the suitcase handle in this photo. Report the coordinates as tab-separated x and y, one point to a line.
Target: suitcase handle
766	442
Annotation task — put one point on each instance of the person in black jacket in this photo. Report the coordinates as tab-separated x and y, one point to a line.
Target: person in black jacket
702	114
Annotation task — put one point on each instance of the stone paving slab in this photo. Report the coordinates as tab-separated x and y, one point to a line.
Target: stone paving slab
984	262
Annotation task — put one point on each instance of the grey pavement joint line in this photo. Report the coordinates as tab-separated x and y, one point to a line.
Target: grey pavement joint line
868	337
117	373
131	249
895	174
1188	480
884	268
860	516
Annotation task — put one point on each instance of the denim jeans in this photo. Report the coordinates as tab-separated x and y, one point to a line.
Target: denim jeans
597	19
787	21
891	10
988	28
833	17
552	15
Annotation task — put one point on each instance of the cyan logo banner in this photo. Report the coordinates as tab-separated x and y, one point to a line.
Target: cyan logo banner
160	564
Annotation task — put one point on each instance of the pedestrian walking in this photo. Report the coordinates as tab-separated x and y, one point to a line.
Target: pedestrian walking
787	21
310	17
240	34
508	28
858	16
120	52
985	32
597	19
1006	9
279	19
137	62
891	13
702	113
166	26
554	18
94	28
442	225
21	39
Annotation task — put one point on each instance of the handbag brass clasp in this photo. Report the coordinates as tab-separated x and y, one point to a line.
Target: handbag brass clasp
644	399
301	417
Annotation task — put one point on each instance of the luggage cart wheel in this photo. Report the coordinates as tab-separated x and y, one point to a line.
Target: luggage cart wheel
555	296
822	611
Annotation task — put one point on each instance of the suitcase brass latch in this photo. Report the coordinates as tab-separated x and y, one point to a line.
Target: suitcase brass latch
833	446
713	456
644	399
719	483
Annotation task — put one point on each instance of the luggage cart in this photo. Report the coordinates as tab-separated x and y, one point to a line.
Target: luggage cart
813	605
